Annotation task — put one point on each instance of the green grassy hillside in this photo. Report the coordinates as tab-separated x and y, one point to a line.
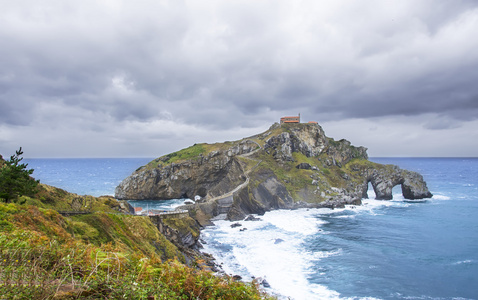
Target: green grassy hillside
46	256
104	254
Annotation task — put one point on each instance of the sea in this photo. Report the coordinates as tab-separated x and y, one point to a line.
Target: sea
379	250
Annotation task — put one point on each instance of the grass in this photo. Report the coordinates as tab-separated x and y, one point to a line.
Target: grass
50	197
80	271
178	156
189	153
133	233
99	256
219	146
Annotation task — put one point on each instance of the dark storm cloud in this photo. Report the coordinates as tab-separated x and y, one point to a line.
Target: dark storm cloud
117	67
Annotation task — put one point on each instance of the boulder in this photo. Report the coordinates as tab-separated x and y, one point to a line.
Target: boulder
304	166
252	218
236	278
265	284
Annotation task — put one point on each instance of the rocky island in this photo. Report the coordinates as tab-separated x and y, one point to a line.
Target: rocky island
290	165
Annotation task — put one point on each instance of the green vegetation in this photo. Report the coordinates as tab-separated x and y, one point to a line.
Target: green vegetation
54	198
333	143
301	158
179	156
185	154
133	233
219	146
100	255
15	178
40	259
358	163
189	153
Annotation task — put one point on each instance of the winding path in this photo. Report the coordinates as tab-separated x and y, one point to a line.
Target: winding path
246	182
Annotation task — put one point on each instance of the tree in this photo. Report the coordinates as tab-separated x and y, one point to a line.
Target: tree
15	178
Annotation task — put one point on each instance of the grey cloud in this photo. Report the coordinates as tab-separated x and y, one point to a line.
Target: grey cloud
220	65
440	123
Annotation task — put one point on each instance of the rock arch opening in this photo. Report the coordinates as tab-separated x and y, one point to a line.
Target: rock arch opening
370	193
384	189
397	191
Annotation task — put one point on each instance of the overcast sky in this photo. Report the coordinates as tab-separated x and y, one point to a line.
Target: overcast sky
105	78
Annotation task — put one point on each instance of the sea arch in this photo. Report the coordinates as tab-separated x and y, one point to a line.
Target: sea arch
384	180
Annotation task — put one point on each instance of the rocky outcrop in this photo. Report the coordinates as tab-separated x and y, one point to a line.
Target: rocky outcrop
182	231
341	152
206	175
126	208
414	186
288	166
308	140
384	178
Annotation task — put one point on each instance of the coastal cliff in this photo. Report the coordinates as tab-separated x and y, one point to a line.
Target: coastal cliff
287	166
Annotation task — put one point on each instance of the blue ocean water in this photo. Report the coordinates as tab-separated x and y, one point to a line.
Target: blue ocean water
93	176
380	250
84	176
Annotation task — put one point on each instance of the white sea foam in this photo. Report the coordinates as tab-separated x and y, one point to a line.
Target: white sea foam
467	261
274	247
373	206
440	197
303	222
325	254
346	217
371	193
398	197
271	249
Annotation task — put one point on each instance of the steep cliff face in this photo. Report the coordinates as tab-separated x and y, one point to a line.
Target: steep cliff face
289	165
211	173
